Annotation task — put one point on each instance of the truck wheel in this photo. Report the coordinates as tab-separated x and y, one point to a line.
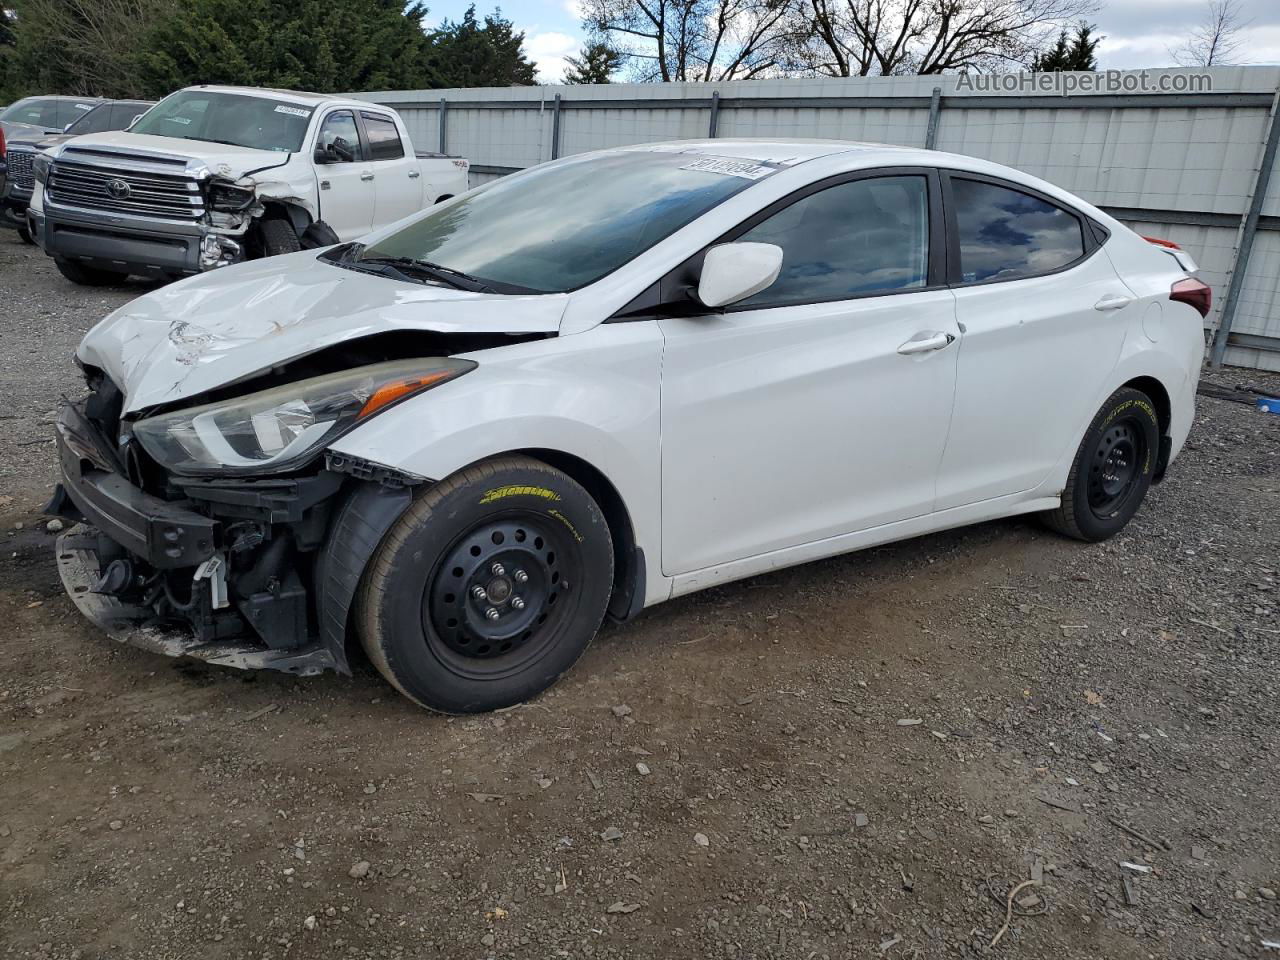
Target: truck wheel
278	236
488	588
87	276
25	234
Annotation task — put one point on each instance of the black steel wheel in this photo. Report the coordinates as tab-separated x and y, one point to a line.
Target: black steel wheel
1112	470
491	606
488	588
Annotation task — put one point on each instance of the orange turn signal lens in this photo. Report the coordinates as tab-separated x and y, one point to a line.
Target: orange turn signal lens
390	392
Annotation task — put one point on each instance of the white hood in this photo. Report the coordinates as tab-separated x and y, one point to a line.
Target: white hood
220	327
220	158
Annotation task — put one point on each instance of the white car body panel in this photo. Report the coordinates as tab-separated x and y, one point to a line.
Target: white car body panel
218	328
738	443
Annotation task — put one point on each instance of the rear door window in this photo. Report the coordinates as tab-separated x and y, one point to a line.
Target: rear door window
384	138
1006	234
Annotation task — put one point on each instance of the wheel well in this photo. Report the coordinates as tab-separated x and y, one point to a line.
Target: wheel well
628	570
276	209
1154	389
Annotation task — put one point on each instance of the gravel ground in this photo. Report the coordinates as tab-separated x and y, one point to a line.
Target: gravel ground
733	774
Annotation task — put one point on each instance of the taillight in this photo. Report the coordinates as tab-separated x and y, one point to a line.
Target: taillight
1162	243
1193	292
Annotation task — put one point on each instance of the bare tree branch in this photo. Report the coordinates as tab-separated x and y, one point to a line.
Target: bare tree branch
1215	42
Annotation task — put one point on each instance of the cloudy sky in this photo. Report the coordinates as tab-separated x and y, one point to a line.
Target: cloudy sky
1139	33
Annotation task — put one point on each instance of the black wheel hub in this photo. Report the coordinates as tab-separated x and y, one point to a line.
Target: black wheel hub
495	587
1114	472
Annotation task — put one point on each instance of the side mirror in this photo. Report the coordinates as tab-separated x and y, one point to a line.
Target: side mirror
320	155
735	271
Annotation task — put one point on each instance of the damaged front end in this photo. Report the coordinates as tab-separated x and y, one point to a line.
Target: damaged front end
243	566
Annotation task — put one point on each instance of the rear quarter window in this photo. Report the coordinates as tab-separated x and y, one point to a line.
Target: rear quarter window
1005	234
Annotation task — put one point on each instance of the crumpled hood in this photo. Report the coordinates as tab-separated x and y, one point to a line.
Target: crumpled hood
220	327
224	159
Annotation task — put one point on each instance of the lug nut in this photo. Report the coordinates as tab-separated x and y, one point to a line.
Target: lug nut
492	613
497	569
479	592
517	603
521	577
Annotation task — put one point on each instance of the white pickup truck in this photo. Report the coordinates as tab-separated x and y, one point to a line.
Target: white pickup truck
214	175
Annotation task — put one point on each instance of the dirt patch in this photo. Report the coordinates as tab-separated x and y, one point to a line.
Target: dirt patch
156	809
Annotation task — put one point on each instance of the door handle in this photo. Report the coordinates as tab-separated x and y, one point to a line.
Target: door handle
926	342
1113	301
367	175
414	174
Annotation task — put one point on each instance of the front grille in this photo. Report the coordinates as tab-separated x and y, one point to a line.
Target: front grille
163	196
20	173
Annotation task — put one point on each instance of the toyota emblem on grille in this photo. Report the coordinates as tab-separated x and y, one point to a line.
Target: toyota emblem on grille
118	190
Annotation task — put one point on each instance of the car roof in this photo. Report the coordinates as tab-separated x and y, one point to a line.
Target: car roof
763	150
296	96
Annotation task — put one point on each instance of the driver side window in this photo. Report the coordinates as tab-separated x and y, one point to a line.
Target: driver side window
858	238
339	140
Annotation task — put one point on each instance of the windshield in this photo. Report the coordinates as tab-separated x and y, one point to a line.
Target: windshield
48	112
564	226
254	122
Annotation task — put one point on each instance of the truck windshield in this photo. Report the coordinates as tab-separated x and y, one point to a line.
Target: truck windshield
561	227
259	123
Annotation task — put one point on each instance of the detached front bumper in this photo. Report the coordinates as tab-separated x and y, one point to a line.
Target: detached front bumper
253	574
80	568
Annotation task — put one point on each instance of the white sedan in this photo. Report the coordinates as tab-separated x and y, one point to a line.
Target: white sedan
605	382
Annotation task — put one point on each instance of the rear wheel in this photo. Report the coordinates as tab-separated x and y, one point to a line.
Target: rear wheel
489	587
1112	470
87	276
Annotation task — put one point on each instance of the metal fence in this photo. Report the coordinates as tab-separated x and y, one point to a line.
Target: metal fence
1191	167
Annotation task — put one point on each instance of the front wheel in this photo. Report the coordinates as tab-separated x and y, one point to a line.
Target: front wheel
1112	470
87	276
25	235
488	588
277	237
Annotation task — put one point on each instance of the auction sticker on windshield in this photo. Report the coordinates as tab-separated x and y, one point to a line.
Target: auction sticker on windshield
293	111
730	168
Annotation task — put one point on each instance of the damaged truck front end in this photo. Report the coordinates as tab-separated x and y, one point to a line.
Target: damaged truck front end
145	213
253	562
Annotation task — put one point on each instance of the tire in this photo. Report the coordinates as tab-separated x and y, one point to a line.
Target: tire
25	234
87	276
1112	470
278	236
417	613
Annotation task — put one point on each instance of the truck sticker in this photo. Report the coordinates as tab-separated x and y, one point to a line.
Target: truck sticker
293	111
729	168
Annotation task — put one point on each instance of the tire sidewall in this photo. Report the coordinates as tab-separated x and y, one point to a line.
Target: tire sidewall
1126	402
409	657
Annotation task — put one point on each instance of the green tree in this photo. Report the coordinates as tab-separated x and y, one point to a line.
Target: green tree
468	54
595	64
1070	53
321	45
84	47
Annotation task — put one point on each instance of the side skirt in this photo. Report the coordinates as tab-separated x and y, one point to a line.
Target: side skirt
849	542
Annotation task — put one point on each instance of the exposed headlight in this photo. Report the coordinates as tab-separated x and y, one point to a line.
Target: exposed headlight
282	428
40	168
228	199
